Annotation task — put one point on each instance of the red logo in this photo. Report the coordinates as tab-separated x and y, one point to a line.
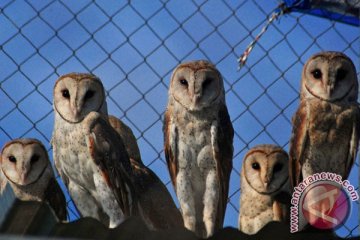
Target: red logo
325	205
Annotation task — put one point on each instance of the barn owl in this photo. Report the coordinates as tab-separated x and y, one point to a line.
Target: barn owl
199	145
326	126
88	153
264	174
26	167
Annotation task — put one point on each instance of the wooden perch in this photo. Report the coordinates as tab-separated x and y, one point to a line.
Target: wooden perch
24	218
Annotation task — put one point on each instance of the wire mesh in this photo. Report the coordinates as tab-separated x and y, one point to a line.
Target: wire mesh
133	46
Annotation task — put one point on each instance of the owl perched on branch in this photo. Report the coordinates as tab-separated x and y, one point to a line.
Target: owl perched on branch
199	145
326	126
25	165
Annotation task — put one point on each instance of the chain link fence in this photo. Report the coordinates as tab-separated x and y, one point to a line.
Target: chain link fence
133	46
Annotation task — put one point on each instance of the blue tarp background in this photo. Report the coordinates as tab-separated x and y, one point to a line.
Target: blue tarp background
343	11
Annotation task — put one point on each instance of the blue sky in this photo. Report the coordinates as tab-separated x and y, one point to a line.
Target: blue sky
133	47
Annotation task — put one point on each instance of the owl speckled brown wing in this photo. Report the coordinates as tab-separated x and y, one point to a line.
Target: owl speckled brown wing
298	144
155	202
128	137
354	140
156	205
223	157
109	154
170	147
56	199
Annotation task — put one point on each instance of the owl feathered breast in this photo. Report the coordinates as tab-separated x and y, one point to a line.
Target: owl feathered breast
326	133
223	156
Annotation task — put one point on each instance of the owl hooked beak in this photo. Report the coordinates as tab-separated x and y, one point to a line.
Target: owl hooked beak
23	175
76	113
196	98
330	88
266	180
195	95
76	109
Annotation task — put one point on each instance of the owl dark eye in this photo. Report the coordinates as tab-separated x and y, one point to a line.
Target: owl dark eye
255	166
183	82
12	159
341	74
206	83
277	167
65	93
34	158
89	94
317	74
